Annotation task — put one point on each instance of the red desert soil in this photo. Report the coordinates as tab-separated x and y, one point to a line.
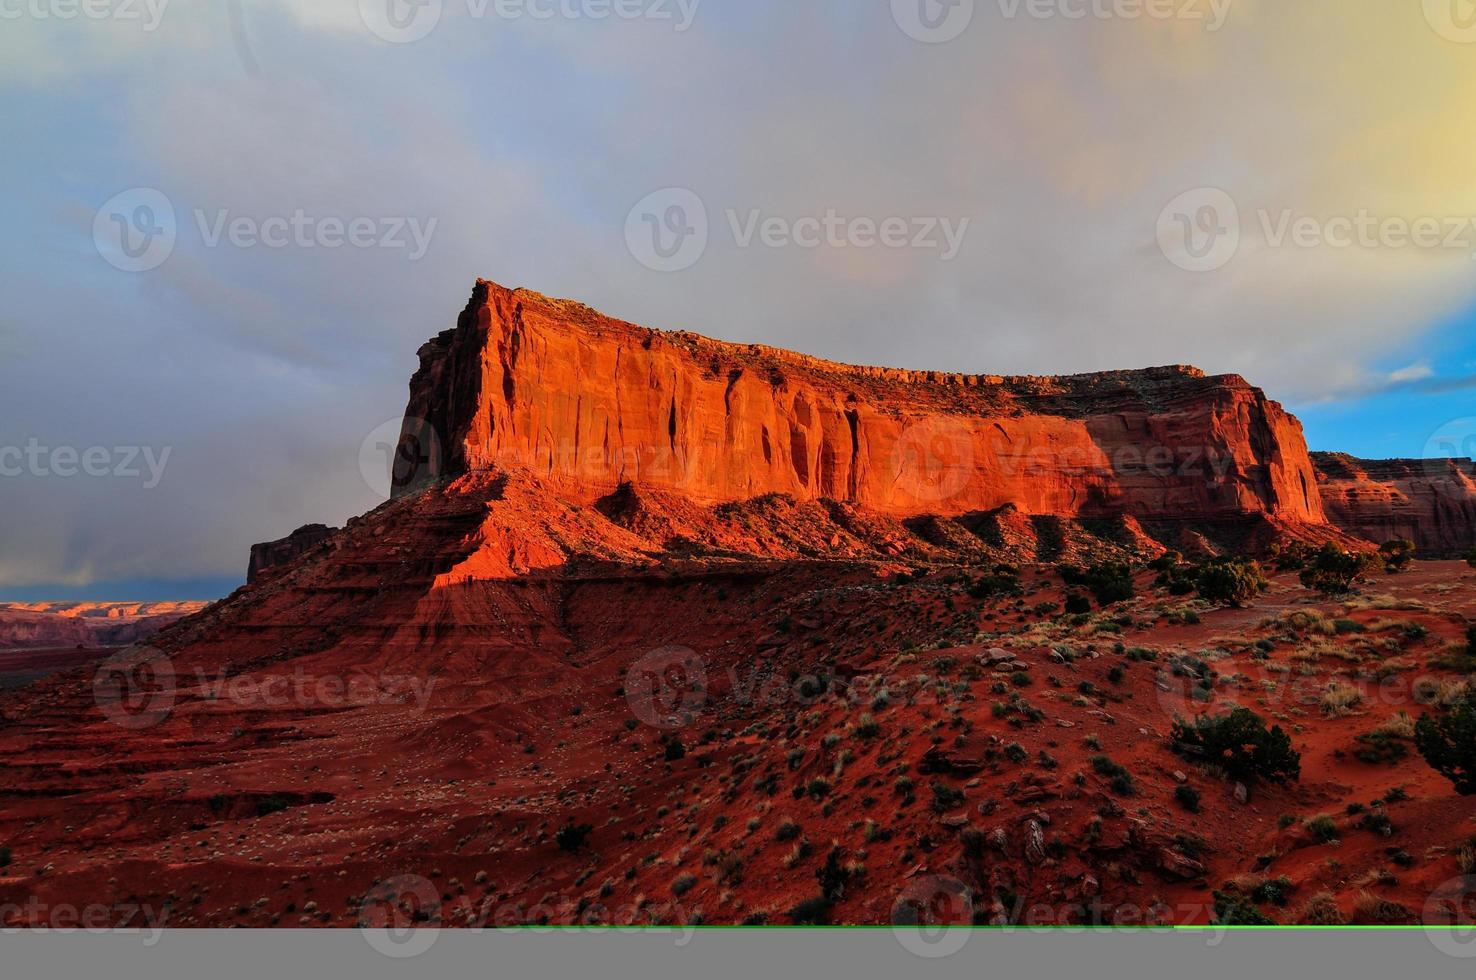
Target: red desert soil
725	687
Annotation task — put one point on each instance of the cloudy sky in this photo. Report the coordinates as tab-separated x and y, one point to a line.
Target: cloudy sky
232	222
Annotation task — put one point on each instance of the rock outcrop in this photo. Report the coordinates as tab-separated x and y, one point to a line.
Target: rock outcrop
89	625
556	389
274	554
1431	502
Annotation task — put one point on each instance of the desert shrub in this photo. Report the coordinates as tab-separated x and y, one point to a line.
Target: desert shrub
571	837
1078	604
4	857
866	727
1239	743
1116	674
1323	828
1118	778
1272	891
683	884
1471	558
1334	571
672	748
903	786
1370	909
811	912
787	831
1166	561
1380	748
1398	555
818	788
1321	910
945	797
271	804
1448	743
1110	582
1339	699
1231	910
1004	580
1188	798
832	876
1231	582
1291	556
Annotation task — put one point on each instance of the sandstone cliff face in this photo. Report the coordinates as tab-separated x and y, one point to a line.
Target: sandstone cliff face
274	554
554	388
1432	502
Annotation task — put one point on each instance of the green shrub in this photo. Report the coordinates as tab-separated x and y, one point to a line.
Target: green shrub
672	748
1078	604
1110	582
787	831
1471	558
1231	582
1240	744
945	797
1188	798
1322	828
1448	743
1231	910
1334	571
4	857
270	805
683	884
811	912
571	836
1398	555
